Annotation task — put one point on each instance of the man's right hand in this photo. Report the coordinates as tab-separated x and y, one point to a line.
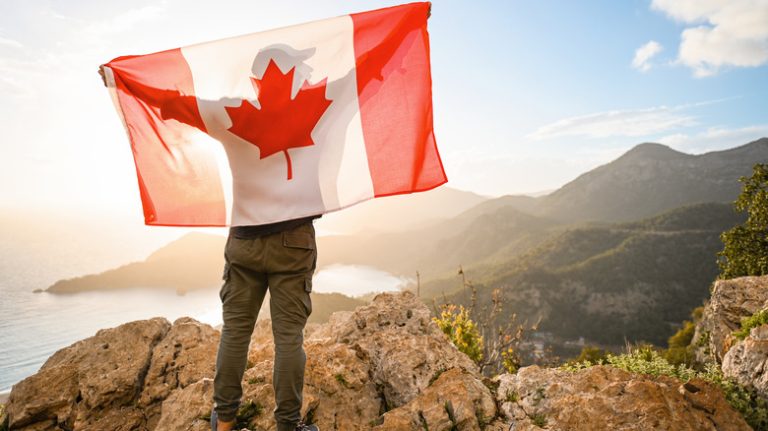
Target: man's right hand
101	73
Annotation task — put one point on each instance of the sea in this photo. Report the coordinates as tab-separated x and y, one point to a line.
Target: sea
35	325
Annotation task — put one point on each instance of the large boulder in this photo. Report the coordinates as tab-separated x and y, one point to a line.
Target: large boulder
396	336
361	364
731	301
607	398
747	361
114	380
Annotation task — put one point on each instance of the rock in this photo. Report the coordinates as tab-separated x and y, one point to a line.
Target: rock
94	375
396	335
731	301
456	400
385	365
747	361
185	355
188	409
338	392
604	397
117	379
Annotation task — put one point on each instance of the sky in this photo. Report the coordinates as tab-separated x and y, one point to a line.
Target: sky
527	94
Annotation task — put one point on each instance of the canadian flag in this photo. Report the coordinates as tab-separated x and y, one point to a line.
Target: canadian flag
284	123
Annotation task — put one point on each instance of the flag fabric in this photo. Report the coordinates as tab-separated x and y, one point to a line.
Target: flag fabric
282	124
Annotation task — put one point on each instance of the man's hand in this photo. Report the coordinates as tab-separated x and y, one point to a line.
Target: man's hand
101	73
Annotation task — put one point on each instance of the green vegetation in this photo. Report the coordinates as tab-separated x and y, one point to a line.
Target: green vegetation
645	359
590	353
463	332
680	350
747	323
256	380
247	411
746	245
539	420
607	282
342	380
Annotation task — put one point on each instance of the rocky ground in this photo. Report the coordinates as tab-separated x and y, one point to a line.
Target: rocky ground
745	361
384	366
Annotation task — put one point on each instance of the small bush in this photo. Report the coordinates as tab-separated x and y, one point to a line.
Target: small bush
463	332
747	323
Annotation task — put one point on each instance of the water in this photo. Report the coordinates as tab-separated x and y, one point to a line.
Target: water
35	325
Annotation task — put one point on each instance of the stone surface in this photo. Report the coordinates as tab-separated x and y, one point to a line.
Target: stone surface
731	301
385	366
396	336
187	409
456	400
115	380
99	373
185	355
747	361
608	398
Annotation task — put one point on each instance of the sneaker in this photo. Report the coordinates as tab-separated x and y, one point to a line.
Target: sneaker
214	418
304	427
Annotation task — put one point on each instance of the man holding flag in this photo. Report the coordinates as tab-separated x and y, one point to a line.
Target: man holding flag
310	119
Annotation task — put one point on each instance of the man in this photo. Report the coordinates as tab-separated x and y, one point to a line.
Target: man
279	257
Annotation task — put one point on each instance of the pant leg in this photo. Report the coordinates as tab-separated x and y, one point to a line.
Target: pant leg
242	295
292	260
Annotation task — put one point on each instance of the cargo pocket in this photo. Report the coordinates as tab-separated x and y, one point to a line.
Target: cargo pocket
306	298
298	252
225	277
299	240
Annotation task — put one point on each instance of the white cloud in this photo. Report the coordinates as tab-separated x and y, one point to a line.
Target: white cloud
10	43
644	54
636	122
715	138
723	33
126	20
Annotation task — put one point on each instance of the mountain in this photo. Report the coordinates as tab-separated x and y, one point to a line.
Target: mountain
479	233
607	282
401	212
650	179
191	262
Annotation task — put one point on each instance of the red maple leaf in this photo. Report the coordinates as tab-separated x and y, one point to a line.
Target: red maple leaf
282	122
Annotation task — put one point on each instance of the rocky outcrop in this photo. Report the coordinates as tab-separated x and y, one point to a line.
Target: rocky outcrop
608	398
747	361
116	379
384	366
385	357
731	301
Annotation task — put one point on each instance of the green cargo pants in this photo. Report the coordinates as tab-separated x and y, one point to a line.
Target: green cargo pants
283	263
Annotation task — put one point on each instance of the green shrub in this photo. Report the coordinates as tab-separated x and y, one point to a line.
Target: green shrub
747	323
593	354
680	350
463	332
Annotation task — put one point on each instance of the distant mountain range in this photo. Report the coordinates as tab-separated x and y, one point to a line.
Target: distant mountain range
625	250
650	179
608	282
